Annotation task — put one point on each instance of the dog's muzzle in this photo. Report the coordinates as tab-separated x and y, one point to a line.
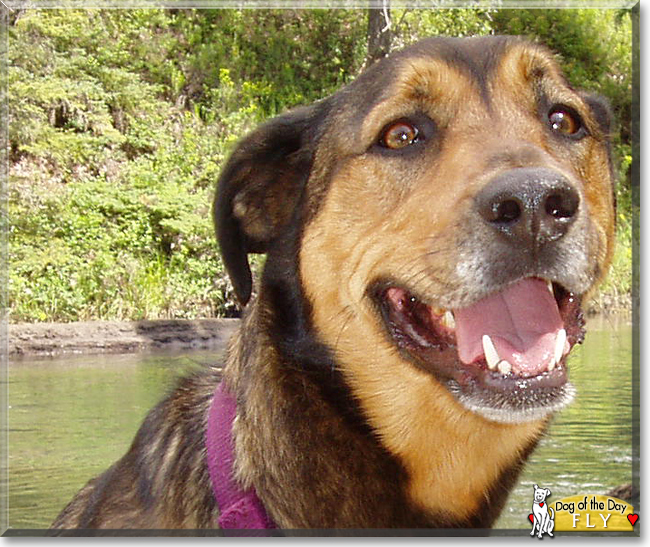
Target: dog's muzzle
501	346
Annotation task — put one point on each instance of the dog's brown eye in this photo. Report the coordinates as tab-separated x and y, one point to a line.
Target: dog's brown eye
563	120
399	135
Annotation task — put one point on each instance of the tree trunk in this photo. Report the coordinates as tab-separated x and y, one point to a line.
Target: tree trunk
379	30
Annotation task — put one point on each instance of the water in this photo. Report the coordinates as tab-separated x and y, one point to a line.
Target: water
70	418
588	449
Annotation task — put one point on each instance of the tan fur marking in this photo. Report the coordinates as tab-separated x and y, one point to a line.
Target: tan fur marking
452	455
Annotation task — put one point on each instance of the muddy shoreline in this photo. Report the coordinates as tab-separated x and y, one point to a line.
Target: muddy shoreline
88	337
48	339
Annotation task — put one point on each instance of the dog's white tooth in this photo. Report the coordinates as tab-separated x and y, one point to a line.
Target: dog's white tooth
448	320
504	367
551	365
559	345
491	355
549	286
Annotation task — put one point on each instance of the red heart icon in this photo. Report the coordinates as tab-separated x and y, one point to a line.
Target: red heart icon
633	518
531	518
541	504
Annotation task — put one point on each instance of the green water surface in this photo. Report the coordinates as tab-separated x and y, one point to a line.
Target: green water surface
70	418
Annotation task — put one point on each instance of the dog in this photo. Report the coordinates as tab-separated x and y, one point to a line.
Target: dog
542	520
430	231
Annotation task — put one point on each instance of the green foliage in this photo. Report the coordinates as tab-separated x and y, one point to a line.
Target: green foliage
138	245
413	24
280	52
120	121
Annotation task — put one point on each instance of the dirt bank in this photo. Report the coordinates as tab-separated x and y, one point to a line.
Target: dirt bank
117	337
126	336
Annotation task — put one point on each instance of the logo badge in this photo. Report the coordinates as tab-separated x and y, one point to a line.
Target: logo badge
542	517
588	513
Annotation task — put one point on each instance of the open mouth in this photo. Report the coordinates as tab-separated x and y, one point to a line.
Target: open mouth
504	356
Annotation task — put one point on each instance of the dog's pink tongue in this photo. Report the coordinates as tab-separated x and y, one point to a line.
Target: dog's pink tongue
522	321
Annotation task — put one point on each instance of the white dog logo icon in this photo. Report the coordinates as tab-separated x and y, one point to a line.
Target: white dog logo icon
542	520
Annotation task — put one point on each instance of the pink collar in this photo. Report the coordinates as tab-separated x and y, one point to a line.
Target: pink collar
238	509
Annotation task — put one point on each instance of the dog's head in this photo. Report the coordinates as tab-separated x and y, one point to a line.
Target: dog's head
540	494
434	225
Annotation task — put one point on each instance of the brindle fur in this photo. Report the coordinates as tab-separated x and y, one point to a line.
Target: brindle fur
335	428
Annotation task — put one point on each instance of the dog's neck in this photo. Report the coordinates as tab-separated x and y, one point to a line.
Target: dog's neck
289	431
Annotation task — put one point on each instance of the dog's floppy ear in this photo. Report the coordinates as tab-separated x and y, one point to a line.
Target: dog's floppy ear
259	189
601	110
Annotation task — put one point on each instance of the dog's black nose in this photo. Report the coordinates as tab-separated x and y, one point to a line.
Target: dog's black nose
529	206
